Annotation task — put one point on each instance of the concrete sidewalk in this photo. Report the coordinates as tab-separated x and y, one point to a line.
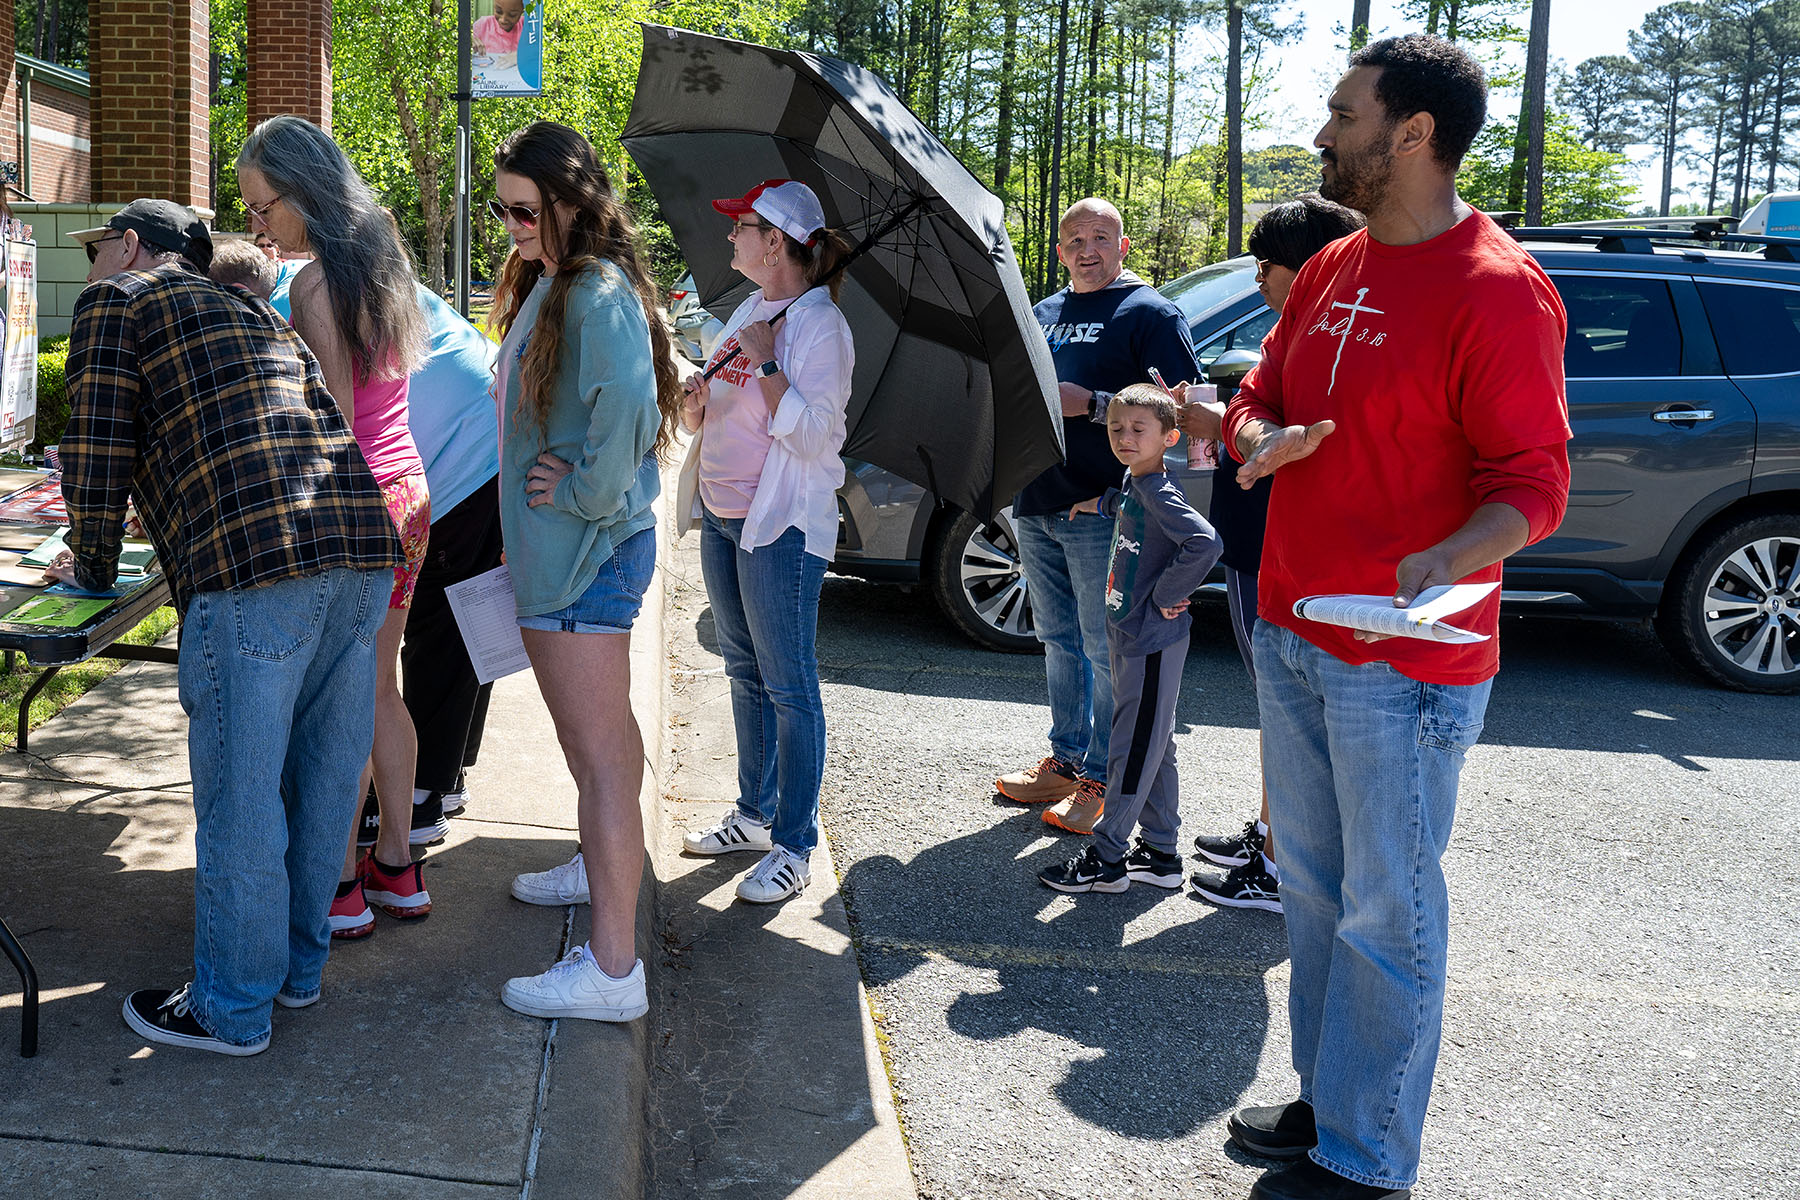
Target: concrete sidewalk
409	1078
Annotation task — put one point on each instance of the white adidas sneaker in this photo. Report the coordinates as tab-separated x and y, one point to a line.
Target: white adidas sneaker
780	874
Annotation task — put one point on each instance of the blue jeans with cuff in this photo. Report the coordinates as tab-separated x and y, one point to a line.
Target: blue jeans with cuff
765	606
278	683
1066	563
1362	765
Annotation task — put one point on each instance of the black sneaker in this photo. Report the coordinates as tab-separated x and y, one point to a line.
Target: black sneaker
1234	850
429	827
1307	1180
163	1016
1147	864
369	824
454	802
1248	886
1274	1131
1086	872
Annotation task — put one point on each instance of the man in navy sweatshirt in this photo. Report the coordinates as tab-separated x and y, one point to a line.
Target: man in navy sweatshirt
1106	330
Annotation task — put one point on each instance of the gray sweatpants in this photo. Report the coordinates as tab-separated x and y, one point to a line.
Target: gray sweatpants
1140	761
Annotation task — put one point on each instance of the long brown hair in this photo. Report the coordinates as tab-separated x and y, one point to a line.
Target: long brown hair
820	260
564	167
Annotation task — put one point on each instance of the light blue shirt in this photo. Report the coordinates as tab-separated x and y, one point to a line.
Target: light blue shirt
453	417
285	270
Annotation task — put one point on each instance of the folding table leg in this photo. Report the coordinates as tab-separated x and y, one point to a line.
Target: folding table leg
21	961
37	685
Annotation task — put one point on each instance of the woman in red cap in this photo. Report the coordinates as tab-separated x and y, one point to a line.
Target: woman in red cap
762	478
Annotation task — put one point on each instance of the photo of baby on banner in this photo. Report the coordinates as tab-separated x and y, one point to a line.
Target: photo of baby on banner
507	48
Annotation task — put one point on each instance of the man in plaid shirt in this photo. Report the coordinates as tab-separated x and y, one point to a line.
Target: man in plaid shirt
203	404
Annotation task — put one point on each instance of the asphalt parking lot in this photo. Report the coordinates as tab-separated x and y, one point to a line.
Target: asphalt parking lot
1624	1010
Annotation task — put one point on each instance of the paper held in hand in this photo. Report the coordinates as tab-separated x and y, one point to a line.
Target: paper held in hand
1421	619
489	623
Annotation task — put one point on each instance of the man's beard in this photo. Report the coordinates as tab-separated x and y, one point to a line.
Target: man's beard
1362	179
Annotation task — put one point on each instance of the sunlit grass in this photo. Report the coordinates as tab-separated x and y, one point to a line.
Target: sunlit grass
71	682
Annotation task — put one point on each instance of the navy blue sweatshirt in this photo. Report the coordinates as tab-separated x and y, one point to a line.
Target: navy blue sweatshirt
1104	341
1162	551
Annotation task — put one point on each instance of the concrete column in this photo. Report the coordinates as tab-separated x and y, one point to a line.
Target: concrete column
290	60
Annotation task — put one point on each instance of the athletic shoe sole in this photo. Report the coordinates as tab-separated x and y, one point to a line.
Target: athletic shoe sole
429	835
1161	879
586	1012
1227	900
775	898
1253	1141
1110	887
711	846
287	1001
154	1033
547	899
1051	818
1223	860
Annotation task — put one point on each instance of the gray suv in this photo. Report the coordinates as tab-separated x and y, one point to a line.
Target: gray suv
1683	365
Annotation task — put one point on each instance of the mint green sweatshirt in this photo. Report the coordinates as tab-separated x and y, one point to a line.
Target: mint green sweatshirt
603	421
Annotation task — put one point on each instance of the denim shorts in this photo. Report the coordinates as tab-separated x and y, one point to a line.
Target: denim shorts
612	601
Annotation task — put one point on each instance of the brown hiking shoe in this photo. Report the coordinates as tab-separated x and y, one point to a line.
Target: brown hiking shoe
1081	810
1049	781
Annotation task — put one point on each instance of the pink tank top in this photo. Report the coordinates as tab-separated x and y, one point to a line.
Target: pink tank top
381	430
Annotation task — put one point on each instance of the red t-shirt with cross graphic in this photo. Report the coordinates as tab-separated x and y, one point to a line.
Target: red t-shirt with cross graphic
1441	363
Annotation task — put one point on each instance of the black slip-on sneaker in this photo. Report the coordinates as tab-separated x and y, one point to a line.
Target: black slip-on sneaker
161	1015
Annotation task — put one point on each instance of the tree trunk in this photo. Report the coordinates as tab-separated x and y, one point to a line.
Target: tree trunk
1096	16
1433	15
423	144
1452	18
1053	200
1234	128
1121	105
1669	137
1537	60
1164	219
1359	24
1712	184
1003	104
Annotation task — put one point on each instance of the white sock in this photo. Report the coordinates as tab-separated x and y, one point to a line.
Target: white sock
1262	829
587	951
421	795
1269	866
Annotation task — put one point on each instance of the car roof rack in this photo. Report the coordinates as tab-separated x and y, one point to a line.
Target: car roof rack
1639	239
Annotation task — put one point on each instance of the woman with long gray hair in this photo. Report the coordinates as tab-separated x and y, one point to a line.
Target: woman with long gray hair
356	307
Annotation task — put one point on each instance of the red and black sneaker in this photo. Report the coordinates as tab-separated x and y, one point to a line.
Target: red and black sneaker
399	893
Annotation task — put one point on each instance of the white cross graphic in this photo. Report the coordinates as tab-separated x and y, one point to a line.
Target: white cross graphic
1349	324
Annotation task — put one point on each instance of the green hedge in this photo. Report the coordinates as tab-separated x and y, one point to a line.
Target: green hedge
52	393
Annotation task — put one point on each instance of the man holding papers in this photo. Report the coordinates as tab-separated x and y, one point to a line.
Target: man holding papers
1410	406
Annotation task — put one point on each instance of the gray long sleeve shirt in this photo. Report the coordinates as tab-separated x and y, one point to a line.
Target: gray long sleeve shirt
1162	551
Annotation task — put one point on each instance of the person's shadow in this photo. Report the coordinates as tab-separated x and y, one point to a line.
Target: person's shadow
1179	1018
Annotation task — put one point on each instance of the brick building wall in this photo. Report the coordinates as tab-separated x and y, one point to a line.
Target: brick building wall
9	99
58	171
290	60
147	61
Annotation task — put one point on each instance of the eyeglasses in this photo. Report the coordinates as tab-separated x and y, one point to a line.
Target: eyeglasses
739	225
93	247
260	210
525	218
1262	268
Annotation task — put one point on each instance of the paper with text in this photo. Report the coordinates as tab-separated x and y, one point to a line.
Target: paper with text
1423	618
483	607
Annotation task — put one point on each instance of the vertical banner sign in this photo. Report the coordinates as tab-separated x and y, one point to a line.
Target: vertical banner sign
18	379
507	48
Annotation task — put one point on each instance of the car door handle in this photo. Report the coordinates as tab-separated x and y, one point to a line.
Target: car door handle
1683	414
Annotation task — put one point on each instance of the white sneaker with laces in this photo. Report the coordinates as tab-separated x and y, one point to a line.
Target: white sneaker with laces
566	884
780	874
735	832
577	987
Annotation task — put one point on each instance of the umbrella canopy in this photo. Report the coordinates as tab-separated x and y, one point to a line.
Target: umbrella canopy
954	387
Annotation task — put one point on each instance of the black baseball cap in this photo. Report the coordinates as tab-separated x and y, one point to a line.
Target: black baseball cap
163	224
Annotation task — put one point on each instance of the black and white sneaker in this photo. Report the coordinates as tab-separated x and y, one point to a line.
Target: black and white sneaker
454	802
429	826
780	874
1147	864
736	832
163	1016
369	824
1086	872
1233	850
1248	886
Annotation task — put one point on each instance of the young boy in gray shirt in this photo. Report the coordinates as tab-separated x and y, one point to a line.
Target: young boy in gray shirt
1162	551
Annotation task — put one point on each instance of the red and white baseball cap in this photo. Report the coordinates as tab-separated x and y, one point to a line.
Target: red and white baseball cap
787	204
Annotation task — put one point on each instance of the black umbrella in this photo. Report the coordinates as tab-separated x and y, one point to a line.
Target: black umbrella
954	387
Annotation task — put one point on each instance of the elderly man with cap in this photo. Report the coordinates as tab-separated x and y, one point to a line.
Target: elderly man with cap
203	405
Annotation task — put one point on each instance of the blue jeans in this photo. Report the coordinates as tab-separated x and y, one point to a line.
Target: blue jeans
278	683
765	606
1362	766
1066	562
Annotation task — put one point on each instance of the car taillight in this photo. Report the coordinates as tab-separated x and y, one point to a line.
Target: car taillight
675	295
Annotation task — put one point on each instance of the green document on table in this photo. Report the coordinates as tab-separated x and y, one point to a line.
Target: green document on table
62	612
134	557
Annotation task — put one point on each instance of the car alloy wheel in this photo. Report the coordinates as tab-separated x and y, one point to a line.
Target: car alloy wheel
1734	610
976	578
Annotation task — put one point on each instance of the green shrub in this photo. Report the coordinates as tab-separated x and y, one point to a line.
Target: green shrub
52	392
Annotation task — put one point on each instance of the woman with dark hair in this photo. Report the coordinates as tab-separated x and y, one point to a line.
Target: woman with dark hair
1282	240
588	398
763	474
356	307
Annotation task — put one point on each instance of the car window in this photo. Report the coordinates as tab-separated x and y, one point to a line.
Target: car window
1246	336
1200	292
1619	327
1756	327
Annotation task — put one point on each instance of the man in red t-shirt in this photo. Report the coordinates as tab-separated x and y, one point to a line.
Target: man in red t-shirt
1410	406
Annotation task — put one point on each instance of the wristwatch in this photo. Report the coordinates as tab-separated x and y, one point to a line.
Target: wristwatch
769	368
1097	406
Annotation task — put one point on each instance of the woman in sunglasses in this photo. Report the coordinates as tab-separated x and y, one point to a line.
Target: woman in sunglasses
355	305
766	470
588	397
